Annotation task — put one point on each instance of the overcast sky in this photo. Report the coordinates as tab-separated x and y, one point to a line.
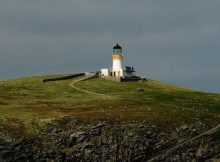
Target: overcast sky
176	41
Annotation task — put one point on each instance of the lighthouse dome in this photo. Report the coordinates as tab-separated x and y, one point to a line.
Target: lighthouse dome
117	47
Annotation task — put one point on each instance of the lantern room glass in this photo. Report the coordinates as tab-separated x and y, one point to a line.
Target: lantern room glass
117	51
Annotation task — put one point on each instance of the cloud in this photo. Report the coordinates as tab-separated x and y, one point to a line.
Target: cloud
174	41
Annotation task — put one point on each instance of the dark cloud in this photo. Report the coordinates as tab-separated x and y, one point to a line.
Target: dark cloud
173	41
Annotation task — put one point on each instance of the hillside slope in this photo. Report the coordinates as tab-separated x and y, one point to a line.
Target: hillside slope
130	117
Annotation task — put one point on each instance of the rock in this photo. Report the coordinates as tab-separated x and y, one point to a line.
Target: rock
22	157
3	142
4	148
184	127
7	153
95	132
100	125
61	157
88	146
114	147
87	152
76	138
51	153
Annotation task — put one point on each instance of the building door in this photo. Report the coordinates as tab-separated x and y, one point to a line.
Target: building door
119	73
114	74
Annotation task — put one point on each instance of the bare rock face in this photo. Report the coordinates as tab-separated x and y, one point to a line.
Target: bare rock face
70	140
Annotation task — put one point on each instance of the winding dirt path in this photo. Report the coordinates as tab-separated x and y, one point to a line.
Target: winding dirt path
191	109
83	90
169	151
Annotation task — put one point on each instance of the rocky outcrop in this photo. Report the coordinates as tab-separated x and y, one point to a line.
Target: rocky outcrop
70	140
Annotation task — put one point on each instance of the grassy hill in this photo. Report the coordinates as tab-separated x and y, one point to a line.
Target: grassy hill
28	104
30	98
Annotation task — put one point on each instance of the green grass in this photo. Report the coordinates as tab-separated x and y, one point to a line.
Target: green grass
29	99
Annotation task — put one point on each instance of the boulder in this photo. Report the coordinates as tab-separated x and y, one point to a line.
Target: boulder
76	138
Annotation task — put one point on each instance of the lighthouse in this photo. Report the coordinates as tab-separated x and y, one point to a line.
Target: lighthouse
118	72
117	57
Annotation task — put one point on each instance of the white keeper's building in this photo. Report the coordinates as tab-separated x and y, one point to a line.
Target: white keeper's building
117	69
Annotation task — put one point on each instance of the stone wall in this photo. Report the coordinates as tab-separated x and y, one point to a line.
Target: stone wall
64	78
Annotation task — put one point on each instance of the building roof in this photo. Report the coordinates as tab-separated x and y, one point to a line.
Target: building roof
129	69
117	47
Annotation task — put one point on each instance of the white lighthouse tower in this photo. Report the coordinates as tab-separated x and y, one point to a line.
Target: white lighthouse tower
118	71
117	57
